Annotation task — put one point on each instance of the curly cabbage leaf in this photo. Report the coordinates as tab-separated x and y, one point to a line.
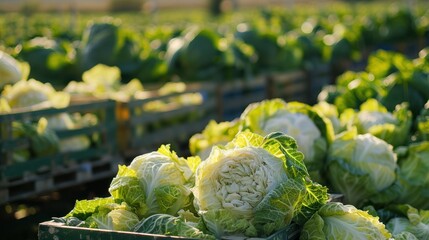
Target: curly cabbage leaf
337	221
254	186
360	166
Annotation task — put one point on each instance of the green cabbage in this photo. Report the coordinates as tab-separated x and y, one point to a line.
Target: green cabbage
312	131
43	141
360	166
374	118
410	221
155	182
106	42
64	121
413	178
337	221
102	81
34	94
254	186
10	71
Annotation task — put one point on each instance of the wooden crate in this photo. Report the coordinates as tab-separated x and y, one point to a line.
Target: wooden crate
289	86
41	174
234	96
142	130
50	230
319	75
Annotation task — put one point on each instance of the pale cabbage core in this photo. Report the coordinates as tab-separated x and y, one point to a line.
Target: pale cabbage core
239	178
298	126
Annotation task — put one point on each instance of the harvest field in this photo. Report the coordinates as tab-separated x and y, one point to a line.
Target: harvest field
306	110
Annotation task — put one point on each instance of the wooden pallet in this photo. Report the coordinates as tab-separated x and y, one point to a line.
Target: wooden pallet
41	173
65	176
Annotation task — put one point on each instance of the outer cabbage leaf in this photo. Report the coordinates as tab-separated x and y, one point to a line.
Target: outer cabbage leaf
114	216
170	225
337	221
85	208
360	166
126	187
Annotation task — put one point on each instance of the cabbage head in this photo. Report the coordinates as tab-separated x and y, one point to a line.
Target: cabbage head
312	132
337	221
155	182
409	221
360	166
10	71
254	186
32	93
413	178
374	118
64	121
102	81
213	134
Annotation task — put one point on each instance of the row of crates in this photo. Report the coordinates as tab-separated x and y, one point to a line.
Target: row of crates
125	129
